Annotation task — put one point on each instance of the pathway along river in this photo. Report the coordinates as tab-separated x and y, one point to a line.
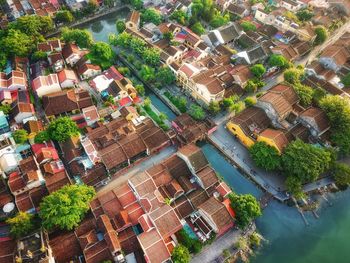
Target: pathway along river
288	239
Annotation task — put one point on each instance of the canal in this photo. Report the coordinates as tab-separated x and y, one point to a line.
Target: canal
325	240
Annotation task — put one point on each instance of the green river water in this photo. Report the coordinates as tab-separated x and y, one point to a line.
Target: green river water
325	240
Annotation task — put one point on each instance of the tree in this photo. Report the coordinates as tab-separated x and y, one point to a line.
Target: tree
258	70
39	55
162	116
20	136
138	45
102	54
278	61
90	7
6	109
305	93
292	75
321	35
341	174
151	56
250	101
151	15
3	59
165	76
81	37
168	36
180	16
137	4
338	111
61	129
346	80
248	26
147	73
21	224
122	40
227	102
196	112
120	25
140	89
304	15
246	208
214	107
237	107
294	186
251	86
66	207
64	16
109	3
17	43
305	161
219	20
198	28
180	254
41	137
265	156
33	25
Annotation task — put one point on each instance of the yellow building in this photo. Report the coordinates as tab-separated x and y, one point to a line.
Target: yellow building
274	138
248	124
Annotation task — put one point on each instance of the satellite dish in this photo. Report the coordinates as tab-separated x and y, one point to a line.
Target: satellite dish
8	207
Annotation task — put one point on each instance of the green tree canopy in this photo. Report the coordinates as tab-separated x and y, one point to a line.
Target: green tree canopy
21	224
265	156
61	129
246	208
258	70
66	207
250	101
304	15
33	25
41	137
39	55
278	61
180	254
305	94
151	15
305	161
147	73
321	35
346	80
137	4
341	174
180	16
196	112
198	28
219	20
214	107
292	75
20	136
338	111
151	56
102	54
81	37
64	16
248	26
17	43
165	76
120	25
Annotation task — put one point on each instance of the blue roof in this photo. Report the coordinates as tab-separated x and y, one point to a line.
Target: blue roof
3	120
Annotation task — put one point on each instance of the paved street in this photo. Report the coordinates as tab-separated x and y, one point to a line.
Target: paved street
210	253
144	165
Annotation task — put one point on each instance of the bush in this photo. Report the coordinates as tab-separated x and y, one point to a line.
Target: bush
21	224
